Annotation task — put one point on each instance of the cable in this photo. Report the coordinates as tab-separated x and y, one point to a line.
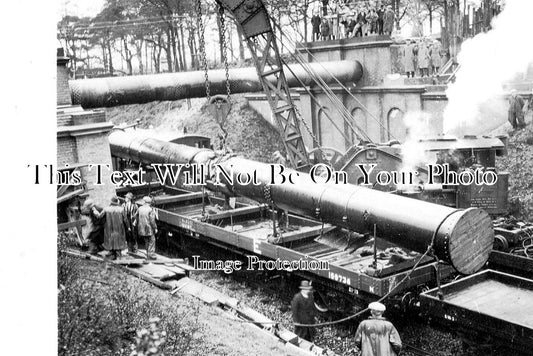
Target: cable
430	247
339	82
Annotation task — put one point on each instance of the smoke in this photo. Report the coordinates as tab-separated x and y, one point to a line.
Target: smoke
487	61
418	127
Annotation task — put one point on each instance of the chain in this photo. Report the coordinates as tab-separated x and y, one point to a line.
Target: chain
309	131
223	39
268	197
201	31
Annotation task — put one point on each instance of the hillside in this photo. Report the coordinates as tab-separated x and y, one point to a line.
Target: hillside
519	163
249	135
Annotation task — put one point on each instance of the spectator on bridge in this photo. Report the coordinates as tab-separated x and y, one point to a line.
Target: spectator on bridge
304	311
315	22
516	113
351	27
409	59
95	226
436	57
361	20
324	29
423	58
388	21
381	14
130	211
373	21
114	228
146	226
376	336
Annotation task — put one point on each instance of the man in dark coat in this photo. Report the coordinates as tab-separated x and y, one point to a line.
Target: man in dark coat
351	27
315	22
114	228
95	234
361	21
130	210
325	30
516	113
304	311
381	13
146	226
376	336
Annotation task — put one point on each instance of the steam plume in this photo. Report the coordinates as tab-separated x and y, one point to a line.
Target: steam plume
488	60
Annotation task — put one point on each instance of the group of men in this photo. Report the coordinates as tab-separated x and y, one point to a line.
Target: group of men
119	226
375	336
423	56
356	22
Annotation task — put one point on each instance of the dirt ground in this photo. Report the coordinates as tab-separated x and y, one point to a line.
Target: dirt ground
218	334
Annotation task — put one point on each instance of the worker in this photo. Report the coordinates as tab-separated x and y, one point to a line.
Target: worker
130	210
114	228
146	226
376	336
408	59
304	311
516	113
95	227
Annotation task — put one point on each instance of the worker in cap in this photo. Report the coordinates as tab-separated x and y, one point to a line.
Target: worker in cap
114	228
130	211
304	311
376	336
146	226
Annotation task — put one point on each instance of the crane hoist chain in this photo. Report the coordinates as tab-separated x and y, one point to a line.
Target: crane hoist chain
299	118
201	36
225	50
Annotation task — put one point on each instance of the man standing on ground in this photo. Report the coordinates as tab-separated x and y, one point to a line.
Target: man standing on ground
147	229
376	336
114	228
516	113
304	311
130	210
95	226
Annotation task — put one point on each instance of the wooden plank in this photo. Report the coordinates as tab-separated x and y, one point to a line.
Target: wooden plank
141	261
508	260
236	212
306	233
70	224
146	277
177	198
70	195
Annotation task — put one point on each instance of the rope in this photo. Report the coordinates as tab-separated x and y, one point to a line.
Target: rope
379	300
337	103
340	83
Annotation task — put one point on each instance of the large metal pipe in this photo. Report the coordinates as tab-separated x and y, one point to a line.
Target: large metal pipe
462	238
113	91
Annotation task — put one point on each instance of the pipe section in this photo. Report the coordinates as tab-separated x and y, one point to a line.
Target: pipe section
113	91
462	238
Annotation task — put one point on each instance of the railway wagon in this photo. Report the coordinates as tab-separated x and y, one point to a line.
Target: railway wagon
491	307
327	254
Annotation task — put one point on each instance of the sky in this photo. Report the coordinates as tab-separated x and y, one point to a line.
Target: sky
79	8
